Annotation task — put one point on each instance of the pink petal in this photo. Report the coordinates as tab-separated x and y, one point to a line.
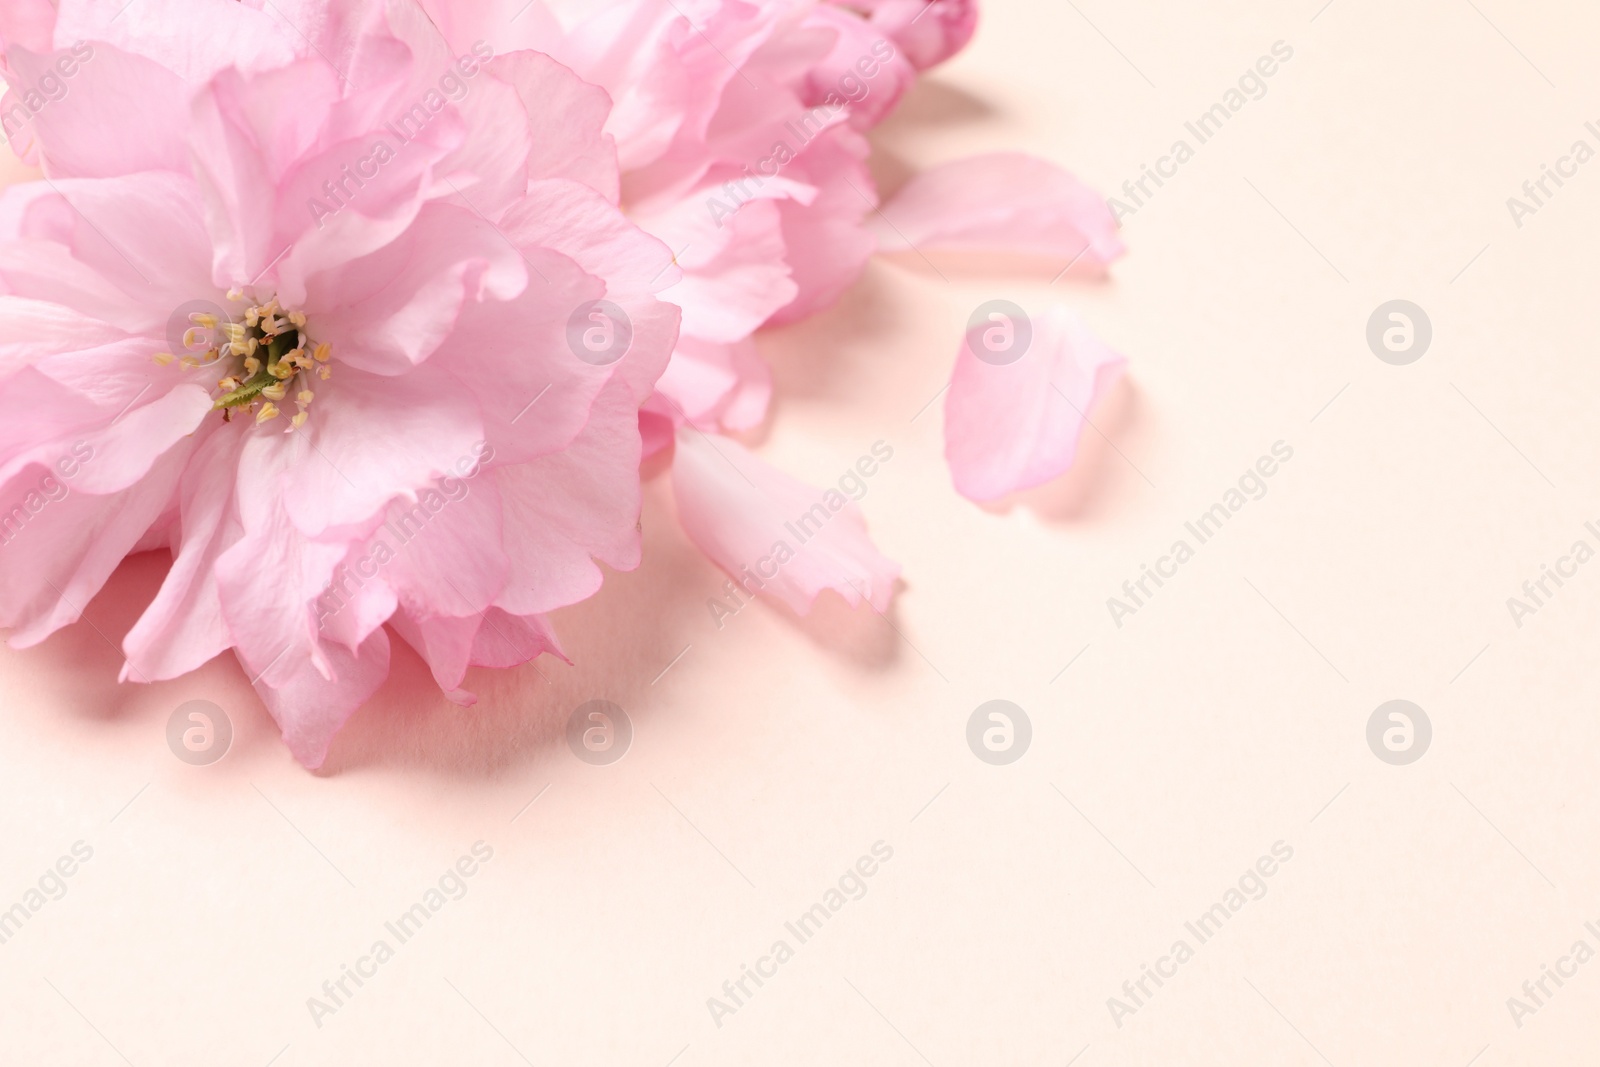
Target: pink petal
342	470
716	386
184	627
131	248
1011	425
60	544
861	64
489	639
1008	203
309	705
269	579
826	244
30	330
122	449
928	31
30	23
576	147
390	310
358	600
734	274
566	509
447	555
139	121
773	533
194	38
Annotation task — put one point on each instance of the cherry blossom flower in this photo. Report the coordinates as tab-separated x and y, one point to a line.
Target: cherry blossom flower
299	300
739	127
368	310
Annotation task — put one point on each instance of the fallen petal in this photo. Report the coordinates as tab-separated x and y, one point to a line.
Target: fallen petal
1012	420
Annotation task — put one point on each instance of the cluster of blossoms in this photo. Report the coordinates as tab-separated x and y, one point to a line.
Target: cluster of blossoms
529	243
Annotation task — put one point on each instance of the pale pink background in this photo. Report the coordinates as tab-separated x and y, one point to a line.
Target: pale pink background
1172	753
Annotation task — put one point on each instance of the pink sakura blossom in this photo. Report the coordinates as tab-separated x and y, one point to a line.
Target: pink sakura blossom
297	303
695	158
739	130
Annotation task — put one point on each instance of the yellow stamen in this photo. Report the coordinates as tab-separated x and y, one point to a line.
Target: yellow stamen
305	396
162	358
324	372
298	421
275	391
298	318
323	351
269	410
204	319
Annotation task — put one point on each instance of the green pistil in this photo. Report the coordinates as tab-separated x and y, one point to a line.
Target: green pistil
249	391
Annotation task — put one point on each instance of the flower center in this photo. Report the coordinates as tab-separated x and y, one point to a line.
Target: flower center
264	356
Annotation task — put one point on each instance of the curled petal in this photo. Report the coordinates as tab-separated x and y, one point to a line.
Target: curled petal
774	533
867	70
1013	421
